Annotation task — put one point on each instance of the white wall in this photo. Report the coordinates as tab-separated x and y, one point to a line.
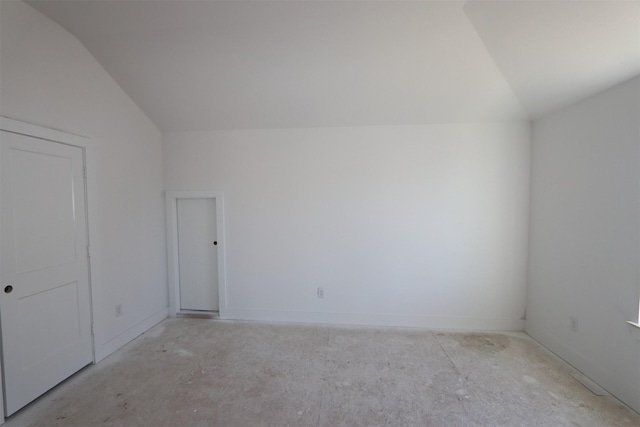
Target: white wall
49	78
419	226
584	249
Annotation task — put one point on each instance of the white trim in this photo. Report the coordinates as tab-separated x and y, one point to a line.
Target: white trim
377	319
637	325
620	388
171	201
40	132
115	343
29	129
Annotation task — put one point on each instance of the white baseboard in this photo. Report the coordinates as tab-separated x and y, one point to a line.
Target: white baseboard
622	390
117	342
367	319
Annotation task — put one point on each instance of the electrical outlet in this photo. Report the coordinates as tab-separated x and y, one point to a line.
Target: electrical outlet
573	323
320	292
118	310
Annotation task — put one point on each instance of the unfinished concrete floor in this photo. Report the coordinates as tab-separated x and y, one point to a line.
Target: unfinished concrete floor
195	372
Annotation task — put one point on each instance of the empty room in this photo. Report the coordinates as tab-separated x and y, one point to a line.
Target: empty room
320	213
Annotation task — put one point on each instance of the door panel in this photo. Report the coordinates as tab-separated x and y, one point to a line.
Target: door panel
46	319
43	220
36	347
197	254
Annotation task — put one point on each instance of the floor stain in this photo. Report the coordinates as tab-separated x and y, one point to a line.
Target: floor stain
483	343
241	374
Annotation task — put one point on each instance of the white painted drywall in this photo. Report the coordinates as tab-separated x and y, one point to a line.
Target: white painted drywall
419	226
585	232
555	53
49	78
228	65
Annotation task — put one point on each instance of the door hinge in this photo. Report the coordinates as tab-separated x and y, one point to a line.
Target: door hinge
84	172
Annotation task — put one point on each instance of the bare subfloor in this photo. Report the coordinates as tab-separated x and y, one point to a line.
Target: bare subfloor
195	372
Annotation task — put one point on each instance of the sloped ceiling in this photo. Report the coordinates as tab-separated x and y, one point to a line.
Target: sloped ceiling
553	53
210	65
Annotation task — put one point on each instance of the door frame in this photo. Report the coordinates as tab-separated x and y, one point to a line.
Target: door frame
86	144
173	266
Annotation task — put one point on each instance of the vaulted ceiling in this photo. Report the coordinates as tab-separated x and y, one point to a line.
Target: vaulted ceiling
208	65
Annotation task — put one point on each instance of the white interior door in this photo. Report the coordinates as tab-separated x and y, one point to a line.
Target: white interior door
44	282
197	254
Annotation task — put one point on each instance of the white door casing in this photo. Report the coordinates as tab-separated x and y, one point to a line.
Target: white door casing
197	254
171	200
46	317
